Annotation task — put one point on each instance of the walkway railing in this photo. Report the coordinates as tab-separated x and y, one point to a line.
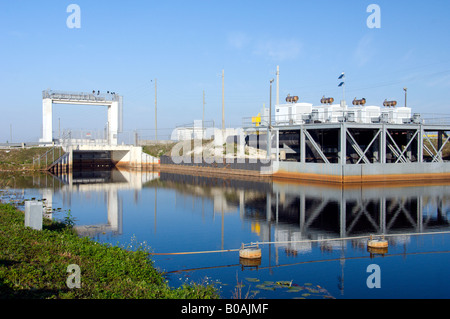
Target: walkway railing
45	160
95	96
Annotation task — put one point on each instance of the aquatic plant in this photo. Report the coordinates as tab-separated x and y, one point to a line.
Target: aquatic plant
289	286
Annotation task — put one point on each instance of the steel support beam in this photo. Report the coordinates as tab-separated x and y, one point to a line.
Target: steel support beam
302	147
342	144
316	146
406	148
396	150
354	144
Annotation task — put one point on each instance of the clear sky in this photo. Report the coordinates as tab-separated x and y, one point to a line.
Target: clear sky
122	46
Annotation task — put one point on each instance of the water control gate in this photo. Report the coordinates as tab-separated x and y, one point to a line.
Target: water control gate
113	101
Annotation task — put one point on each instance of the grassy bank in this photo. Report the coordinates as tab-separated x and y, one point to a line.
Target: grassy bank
158	149
15	159
33	264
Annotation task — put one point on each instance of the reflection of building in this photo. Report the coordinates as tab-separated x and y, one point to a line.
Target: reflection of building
107	182
305	212
293	214
294	217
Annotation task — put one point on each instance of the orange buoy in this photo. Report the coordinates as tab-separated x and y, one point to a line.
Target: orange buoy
249	263
250	251
377	246
377	243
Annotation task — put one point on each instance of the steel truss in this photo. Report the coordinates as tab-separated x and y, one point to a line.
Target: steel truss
382	211
366	143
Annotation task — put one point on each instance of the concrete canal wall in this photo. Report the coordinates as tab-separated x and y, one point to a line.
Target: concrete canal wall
355	173
94	157
323	172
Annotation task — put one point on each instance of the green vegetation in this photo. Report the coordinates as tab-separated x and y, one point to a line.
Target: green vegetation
33	264
22	158
158	149
445	150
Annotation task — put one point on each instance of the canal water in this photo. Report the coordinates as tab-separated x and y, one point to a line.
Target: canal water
312	237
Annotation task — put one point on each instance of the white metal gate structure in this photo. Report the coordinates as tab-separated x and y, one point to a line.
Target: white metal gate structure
113	101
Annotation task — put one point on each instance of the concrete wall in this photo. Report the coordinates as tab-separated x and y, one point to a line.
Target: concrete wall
121	155
362	172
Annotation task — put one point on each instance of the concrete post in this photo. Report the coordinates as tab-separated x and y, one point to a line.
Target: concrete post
113	122
47	116
33	214
302	147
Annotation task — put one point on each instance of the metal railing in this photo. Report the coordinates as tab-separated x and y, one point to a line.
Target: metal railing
94	137
45	160
83	137
436	118
315	116
95	96
350	116
250	164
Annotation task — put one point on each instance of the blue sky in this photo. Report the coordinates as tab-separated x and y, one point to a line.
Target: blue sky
123	45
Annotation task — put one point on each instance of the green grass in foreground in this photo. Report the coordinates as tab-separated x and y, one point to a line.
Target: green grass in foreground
33	264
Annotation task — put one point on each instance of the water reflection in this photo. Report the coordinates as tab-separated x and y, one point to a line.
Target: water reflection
277	211
104	183
176	212
314	212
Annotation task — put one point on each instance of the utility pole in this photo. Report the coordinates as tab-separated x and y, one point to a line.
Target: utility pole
223	100
270	105
278	84
269	127
203	115
156	114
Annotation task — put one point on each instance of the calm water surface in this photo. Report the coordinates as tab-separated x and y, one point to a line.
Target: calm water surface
182	213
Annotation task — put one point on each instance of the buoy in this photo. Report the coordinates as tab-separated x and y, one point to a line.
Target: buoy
377	243
250	263
250	251
377	246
